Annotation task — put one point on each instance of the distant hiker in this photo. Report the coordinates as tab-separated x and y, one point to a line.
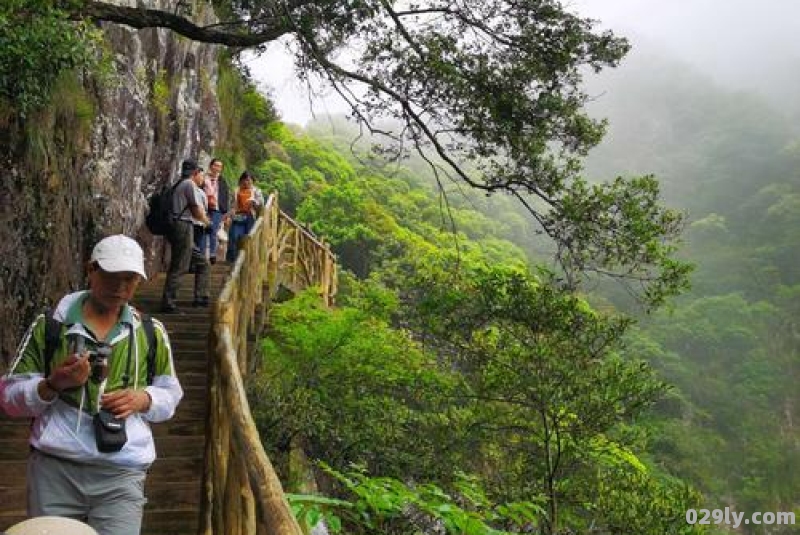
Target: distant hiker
93	374
218	205
185	209
199	264
247	199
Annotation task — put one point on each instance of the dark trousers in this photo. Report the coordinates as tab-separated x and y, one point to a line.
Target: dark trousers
180	240
199	264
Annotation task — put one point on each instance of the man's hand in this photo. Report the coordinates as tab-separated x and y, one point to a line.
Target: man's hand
123	403
71	373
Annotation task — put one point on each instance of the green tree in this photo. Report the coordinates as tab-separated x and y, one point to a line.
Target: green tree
547	385
353	223
346	388
275	175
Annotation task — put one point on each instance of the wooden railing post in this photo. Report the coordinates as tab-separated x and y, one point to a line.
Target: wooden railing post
243	493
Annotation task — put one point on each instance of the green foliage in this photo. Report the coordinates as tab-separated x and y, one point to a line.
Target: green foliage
545	381
245	114
355	390
744	355
305	152
352	222
526	392
55	134
632	240
275	175
525	386
38	44
371	219
634	501
730	345
388	505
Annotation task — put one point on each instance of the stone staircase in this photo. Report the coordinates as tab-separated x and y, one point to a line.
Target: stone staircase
174	483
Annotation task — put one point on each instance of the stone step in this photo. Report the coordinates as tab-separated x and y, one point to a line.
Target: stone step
172	496
14	503
174	483
13	473
171	469
180	326
8	520
195	339
182	428
171	522
193	373
14	449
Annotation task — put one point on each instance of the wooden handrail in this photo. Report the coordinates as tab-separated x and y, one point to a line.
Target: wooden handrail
243	495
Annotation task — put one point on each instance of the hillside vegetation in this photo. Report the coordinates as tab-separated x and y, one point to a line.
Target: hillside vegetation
457	384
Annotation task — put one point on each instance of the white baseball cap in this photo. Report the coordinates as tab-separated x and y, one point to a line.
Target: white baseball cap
50	525
119	253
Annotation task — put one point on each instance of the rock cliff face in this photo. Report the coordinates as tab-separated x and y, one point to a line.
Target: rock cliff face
64	187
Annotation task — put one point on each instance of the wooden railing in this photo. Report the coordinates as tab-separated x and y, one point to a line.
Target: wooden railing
243	495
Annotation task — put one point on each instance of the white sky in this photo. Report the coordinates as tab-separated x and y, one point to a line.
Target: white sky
742	43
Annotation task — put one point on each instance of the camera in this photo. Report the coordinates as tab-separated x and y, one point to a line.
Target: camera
109	431
98	360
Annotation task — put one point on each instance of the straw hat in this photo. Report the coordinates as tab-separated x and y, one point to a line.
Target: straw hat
50	525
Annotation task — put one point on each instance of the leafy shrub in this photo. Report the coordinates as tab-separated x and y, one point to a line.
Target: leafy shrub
37	44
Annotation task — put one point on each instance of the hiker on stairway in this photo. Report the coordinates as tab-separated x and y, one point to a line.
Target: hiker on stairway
199	264
181	232
216	190
93	374
247	199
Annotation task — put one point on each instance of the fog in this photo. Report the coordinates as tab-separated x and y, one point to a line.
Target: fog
743	45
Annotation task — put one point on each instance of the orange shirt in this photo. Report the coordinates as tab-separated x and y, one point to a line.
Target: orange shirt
243	196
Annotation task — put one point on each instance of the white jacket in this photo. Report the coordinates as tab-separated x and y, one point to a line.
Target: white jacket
63	430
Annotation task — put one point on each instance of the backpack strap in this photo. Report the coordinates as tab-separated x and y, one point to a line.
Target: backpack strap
52	339
171	193
152	346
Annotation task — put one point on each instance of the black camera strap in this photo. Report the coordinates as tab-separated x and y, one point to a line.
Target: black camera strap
126	377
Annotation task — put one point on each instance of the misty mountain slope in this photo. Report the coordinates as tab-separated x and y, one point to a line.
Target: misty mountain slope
729	346
709	146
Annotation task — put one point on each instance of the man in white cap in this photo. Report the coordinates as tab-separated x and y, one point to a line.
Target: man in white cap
93	375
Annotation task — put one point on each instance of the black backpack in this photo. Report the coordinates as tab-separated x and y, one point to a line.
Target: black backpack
52	339
159	217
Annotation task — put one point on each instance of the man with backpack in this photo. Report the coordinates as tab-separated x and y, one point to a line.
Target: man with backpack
187	210
93	374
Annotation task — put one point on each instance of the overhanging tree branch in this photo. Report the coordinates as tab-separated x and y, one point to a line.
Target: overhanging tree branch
140	17
490	89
